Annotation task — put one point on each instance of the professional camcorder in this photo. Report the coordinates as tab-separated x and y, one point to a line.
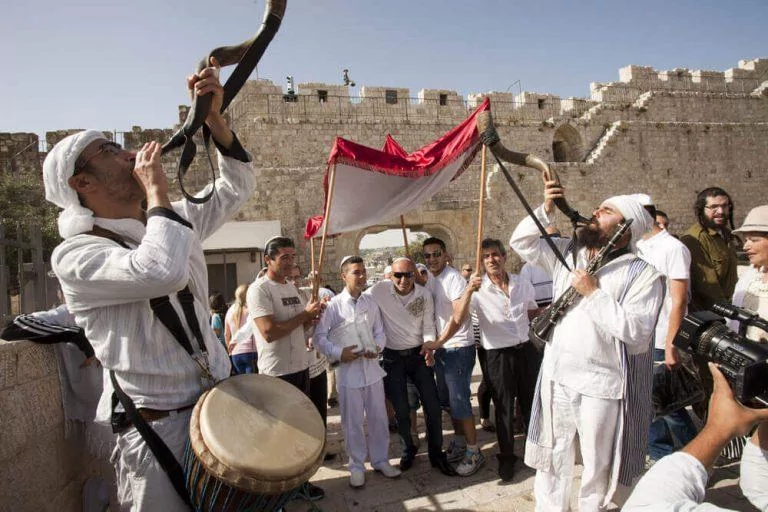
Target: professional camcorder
743	362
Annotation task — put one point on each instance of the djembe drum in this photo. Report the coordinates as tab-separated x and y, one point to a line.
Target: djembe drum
254	441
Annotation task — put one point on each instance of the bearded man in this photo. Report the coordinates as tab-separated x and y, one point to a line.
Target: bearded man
595	377
713	265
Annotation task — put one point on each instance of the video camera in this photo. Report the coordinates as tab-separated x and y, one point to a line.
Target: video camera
743	362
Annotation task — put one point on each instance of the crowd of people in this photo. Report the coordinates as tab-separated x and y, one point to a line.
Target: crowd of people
132	272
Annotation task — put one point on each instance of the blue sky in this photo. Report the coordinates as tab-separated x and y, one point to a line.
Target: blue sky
112	65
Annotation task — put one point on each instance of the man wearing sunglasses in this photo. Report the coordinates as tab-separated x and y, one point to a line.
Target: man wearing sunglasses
454	352
407	312
115	258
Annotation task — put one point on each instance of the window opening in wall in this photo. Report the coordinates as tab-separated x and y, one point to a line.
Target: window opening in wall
443	100
541	104
322	96
390	95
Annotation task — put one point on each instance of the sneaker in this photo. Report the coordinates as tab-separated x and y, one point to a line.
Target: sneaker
455	452
472	462
357	479
386	469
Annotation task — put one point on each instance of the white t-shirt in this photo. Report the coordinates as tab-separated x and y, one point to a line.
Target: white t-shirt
282	301
446	288
670	257
409	320
503	318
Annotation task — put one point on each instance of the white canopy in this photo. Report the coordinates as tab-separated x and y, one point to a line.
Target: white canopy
246	235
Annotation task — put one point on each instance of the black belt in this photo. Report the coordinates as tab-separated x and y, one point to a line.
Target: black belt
403	353
151	415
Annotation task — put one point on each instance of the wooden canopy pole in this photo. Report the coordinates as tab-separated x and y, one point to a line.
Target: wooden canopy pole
481	214
326	218
405	237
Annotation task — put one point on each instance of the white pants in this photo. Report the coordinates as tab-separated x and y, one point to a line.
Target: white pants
142	485
595	420
358	405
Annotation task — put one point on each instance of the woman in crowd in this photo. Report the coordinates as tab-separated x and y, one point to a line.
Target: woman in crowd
242	349
752	289
218	308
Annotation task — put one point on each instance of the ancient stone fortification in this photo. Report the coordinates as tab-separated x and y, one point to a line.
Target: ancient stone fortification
669	134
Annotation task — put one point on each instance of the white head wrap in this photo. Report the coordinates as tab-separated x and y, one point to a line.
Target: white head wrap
344	260
630	208
58	167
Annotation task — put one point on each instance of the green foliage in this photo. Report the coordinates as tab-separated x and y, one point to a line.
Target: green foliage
22	202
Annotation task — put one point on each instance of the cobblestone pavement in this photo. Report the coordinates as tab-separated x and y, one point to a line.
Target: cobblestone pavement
424	488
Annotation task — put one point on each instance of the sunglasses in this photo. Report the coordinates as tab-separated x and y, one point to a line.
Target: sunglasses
436	254
109	147
401	275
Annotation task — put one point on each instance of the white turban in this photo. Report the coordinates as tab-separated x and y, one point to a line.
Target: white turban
630	208
58	167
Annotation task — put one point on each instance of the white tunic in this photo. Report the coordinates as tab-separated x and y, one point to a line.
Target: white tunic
107	287
503	318
361	314
409	320
582	354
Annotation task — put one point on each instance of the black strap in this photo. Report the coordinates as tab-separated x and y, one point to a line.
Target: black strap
528	209
159	449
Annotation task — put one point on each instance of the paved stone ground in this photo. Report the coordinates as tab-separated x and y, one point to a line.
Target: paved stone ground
424	488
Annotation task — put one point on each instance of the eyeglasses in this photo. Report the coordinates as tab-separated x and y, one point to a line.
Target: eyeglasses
436	254
109	147
466	270
715	207
401	275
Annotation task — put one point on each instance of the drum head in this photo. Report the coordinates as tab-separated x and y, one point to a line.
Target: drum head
260	433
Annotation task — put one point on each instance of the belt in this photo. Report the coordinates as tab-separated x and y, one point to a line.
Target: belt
403	353
150	415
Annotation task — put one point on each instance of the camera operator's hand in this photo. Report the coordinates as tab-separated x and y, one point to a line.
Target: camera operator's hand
726	419
671	357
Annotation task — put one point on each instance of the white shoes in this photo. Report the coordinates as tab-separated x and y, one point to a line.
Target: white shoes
357	479
388	470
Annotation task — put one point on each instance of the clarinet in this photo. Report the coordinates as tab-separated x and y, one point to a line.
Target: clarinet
540	332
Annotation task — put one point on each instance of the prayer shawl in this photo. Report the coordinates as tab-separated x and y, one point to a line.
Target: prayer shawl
636	410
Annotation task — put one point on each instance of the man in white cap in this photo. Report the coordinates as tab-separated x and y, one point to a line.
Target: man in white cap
351	331
122	268
595	377
669	256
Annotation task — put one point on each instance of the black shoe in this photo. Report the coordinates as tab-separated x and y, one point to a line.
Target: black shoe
332	402
329	456
313	492
406	462
441	462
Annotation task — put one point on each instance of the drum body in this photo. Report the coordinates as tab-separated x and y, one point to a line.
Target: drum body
253	441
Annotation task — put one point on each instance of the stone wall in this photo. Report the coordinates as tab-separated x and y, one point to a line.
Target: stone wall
40	470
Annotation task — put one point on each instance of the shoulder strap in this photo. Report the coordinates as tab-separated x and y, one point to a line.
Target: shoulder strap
159	449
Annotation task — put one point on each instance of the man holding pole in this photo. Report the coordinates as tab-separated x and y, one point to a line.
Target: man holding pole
503	305
455	352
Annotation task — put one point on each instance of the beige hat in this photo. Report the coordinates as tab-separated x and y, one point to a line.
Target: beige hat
755	221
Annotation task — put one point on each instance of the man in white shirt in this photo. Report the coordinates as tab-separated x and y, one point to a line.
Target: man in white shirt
117	259
454	352
283	323
678	482
408	314
350	330
669	256
595	378
503	305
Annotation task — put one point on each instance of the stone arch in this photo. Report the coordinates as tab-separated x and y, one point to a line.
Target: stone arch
566	144
438	230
